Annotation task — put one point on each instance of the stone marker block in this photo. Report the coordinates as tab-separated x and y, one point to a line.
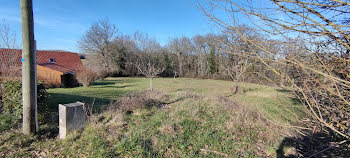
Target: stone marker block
71	117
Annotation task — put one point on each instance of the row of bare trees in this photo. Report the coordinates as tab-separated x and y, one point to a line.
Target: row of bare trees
203	56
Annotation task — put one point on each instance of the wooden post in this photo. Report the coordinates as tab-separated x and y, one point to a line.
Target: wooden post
28	68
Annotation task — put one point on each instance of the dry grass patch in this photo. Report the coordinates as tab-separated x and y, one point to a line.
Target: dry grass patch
167	129
143	99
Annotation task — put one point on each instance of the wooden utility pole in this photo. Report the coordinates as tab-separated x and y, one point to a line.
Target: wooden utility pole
28	68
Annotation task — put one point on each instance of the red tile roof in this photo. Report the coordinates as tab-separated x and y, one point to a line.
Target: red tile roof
64	61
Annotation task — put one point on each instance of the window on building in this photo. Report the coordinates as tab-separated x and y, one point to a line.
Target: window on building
52	60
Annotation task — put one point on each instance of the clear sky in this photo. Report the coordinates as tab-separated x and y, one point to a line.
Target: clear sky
59	24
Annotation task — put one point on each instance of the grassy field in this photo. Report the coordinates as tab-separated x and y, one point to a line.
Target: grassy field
181	118
276	102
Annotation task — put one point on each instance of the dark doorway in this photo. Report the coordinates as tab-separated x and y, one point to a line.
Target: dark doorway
68	81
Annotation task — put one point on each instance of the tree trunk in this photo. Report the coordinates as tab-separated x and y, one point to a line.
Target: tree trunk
235	87
180	65
150	83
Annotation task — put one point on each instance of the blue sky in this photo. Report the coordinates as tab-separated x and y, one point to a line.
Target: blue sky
59	24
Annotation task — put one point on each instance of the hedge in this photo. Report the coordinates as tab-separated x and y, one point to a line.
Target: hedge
12	99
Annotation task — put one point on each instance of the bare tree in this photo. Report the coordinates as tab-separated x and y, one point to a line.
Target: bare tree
86	77
99	40
148	62
10	66
7	36
150	69
237	70
9	63
317	70
201	49
181	47
242	59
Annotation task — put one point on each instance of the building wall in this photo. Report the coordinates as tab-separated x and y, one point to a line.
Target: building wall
49	76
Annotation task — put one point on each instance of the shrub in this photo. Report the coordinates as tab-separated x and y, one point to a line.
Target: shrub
101	74
6	122
86	77
12	99
326	100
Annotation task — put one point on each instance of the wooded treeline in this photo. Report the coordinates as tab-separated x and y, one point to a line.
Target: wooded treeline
108	52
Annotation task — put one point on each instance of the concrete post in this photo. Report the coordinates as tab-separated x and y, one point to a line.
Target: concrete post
28	68
71	117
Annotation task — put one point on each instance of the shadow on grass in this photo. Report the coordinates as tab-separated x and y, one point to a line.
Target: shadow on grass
103	83
283	90
312	145
295	101
59	98
114	81
159	104
49	130
125	86
122	81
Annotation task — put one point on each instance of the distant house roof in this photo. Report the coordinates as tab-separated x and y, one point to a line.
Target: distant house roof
61	61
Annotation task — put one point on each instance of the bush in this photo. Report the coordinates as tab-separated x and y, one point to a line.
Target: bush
12	99
326	100
101	74
6	122
86	77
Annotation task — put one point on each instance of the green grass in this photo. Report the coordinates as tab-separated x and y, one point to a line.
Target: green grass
102	91
200	119
274	101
